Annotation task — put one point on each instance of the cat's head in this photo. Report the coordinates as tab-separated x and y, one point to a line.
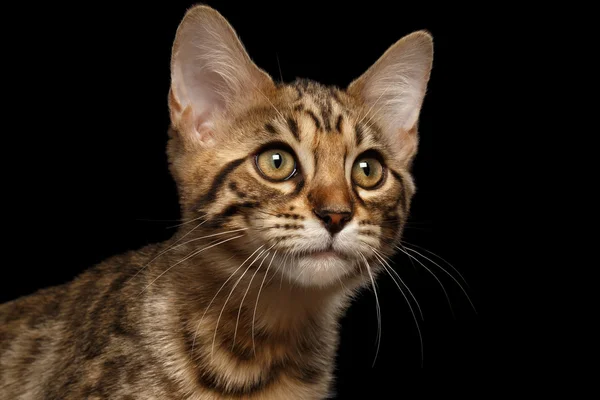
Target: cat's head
318	174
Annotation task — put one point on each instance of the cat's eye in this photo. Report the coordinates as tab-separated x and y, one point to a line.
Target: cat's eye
367	172
276	164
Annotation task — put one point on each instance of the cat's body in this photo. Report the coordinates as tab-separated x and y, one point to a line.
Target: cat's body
292	194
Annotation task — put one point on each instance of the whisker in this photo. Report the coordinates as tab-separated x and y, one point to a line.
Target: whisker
279	268
274	271
434	254
447	273
394	224
158	220
279	65
434	276
266	213
389	271
206	237
212	235
412	311
257	299
378	254
342	286
306	267
164	251
377	307
187	222
187	258
266	98
219	291
395	220
288	254
212	349
292	256
244	297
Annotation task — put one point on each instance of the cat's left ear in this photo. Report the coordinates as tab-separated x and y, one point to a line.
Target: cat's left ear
394	87
211	73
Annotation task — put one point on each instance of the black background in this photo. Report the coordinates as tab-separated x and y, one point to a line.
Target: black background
87	133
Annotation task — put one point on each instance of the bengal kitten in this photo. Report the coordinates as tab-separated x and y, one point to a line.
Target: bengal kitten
293	194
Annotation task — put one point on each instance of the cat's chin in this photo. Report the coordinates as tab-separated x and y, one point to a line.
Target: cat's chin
321	269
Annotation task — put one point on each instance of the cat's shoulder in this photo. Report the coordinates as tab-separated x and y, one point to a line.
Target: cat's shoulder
48	301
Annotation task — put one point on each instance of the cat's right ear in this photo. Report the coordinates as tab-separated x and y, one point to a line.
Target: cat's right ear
210	73
394	87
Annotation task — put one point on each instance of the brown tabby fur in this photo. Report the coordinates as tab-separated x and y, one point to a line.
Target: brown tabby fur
141	325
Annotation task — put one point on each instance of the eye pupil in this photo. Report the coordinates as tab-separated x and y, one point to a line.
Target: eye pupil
276	164
368	172
277	160
365	167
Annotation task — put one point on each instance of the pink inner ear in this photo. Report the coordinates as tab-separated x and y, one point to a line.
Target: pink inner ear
205	130
192	128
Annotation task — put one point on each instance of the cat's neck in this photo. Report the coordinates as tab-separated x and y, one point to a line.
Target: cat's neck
247	326
221	289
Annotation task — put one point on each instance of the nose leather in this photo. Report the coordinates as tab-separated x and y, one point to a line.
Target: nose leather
333	221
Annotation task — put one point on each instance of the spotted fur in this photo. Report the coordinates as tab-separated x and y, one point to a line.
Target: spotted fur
244	301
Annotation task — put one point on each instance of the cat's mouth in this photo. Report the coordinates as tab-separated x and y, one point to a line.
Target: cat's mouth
322	267
326	254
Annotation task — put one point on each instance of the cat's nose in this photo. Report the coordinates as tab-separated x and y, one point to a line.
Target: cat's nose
333	221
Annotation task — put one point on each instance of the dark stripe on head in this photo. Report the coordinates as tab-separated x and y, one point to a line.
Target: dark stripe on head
236	190
300	94
375	131
299	107
315	119
293	125
211	195
326	114
270	128
393	224
231	210
316	158
303	83
403	195
338	124
298	189
360	134
334	94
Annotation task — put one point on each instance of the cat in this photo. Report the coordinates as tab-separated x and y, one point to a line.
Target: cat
292	195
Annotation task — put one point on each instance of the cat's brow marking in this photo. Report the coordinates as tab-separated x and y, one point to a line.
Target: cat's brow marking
270	128
218	181
359	132
314	118
293	125
402	195
338	124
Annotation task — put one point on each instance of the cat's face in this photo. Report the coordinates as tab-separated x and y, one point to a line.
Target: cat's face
317	174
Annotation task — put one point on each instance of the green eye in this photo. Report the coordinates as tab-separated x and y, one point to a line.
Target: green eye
276	164
367	172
